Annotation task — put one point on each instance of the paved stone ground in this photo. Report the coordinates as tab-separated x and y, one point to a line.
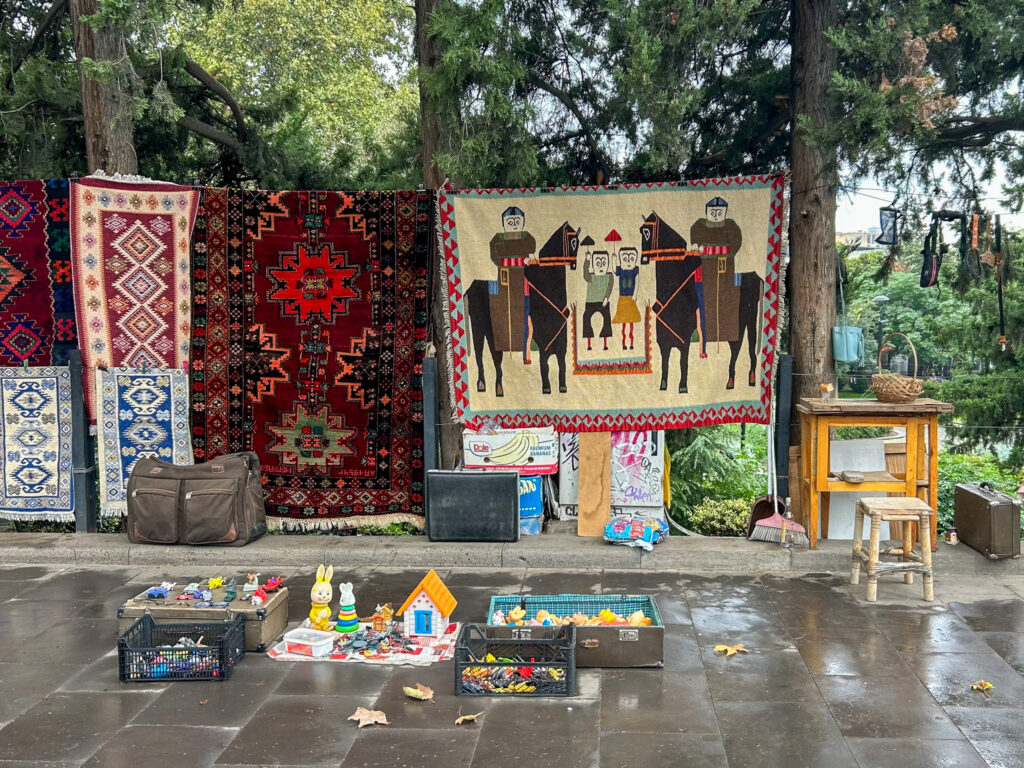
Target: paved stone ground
831	681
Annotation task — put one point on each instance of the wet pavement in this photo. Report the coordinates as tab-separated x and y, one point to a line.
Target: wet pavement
830	681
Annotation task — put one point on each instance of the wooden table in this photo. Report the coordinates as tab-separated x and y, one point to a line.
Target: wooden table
817	418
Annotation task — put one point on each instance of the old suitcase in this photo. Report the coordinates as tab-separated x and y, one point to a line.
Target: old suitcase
987	520
264	624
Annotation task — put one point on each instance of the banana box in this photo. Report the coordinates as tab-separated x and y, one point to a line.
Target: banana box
529	451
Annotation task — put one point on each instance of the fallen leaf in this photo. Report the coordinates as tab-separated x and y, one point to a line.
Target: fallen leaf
731	650
467	718
984	686
310	711
369	717
203	701
420	692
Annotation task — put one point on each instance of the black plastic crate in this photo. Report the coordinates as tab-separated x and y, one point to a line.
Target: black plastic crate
542	664
148	652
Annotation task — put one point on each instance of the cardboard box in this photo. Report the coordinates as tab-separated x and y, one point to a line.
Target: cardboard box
528	451
531	504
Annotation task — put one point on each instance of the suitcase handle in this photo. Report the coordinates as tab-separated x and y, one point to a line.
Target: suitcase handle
986	486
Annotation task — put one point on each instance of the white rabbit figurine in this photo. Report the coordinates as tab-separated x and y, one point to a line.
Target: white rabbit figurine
348	621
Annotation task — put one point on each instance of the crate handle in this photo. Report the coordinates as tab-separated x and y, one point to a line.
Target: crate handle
591	643
522	634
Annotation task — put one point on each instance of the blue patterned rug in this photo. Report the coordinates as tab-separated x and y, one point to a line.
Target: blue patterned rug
140	415
36	466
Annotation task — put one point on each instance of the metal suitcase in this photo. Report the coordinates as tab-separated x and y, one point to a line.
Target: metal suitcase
987	520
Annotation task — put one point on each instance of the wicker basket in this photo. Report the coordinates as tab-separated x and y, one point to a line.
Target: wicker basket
894	387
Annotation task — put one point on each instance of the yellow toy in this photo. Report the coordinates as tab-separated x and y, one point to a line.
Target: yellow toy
516	615
215	582
321	596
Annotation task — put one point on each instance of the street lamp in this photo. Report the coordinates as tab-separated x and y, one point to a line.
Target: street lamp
881	301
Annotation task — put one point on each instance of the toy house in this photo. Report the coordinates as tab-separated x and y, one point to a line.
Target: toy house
428	609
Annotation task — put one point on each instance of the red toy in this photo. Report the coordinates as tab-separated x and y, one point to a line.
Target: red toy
273	584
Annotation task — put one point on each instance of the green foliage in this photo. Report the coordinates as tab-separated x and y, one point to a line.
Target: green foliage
721	517
971	468
861	433
391	529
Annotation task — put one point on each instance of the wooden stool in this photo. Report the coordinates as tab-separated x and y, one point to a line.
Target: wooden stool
895	509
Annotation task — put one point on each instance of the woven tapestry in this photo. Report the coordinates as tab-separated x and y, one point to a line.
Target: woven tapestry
636	307
35	410
141	414
37	324
326	293
130	248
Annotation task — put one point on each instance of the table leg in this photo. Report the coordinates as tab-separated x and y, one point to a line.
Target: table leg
807	446
933	474
826	502
926	558
858	543
908	548
873	547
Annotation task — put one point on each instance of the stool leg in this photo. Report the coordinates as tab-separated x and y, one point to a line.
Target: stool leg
908	548
925	536
858	543
876	535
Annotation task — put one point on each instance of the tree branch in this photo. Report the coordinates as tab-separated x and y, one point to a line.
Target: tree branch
55	10
217	87
570	104
779	119
981	129
200	128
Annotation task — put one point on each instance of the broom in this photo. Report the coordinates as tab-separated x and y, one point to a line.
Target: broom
778	528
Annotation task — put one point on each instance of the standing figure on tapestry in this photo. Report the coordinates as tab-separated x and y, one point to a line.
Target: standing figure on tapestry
511	250
598	276
626	311
718	240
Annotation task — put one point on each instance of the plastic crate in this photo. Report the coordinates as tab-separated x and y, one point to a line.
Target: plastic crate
543	664
147	651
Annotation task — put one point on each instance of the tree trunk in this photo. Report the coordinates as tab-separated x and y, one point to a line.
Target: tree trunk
433	177
106	106
812	219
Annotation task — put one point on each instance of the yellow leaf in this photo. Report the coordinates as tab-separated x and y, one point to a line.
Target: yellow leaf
420	692
467	718
369	717
984	686
731	650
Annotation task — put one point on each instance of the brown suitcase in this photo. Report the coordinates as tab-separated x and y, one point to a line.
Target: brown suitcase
987	520
264	624
218	502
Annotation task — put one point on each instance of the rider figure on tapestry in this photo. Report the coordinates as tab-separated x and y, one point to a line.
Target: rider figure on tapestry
718	239
511	250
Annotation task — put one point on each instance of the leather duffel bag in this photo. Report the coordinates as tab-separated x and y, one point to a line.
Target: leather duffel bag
218	502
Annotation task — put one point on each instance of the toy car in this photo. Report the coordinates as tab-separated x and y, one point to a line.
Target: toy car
273	584
154	593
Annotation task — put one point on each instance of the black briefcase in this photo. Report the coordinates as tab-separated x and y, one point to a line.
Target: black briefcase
987	520
470	505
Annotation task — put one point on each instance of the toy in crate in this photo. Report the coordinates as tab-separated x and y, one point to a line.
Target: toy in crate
148	651
543	664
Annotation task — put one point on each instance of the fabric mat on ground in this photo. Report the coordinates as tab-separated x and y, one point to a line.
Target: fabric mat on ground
429	651
326	292
130	248
36	463
37	311
140	415
641	306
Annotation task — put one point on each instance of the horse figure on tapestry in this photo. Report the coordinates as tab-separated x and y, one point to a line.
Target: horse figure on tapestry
548	312
676	306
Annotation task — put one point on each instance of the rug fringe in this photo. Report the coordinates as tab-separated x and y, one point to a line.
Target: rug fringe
38	517
298	525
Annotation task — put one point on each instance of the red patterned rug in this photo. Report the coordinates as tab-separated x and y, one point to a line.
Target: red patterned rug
37	318
326	294
130	248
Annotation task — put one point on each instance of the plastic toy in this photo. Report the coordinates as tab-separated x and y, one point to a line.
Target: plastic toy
252	583
273	584
382	617
259	597
348	621
230	591
154	593
320	596
215	582
191	590
606	618
429	608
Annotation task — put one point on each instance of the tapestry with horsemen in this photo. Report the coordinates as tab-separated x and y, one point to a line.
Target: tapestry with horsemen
638	306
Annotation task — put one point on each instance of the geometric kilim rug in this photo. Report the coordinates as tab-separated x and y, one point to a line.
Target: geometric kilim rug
37	317
35	463
326	292
140	415
632	307
130	246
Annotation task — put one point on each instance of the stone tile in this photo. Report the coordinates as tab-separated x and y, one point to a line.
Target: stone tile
761	638
1009	646
914	612
662	750
326	679
37	764
474	603
767	734
554	582
760	676
227	704
744	593
547	732
503	581
26	572
178	744
737	621
673	608
297	730
83	586
859	652
890	708
404	712
682	653
12	589
69	726
810	582
995	733
933	633
800	619
20	619
22	685
655	701
949	677
388	748
102	675
914	753
992	615
70	641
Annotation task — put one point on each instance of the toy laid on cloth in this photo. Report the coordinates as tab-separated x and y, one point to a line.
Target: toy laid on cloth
642	532
320	596
389	648
428	608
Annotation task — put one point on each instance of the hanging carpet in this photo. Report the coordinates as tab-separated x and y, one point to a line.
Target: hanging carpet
636	307
130	249
325	293
37	315
35	410
141	414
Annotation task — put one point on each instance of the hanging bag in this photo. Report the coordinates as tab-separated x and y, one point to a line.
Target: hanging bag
847	340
